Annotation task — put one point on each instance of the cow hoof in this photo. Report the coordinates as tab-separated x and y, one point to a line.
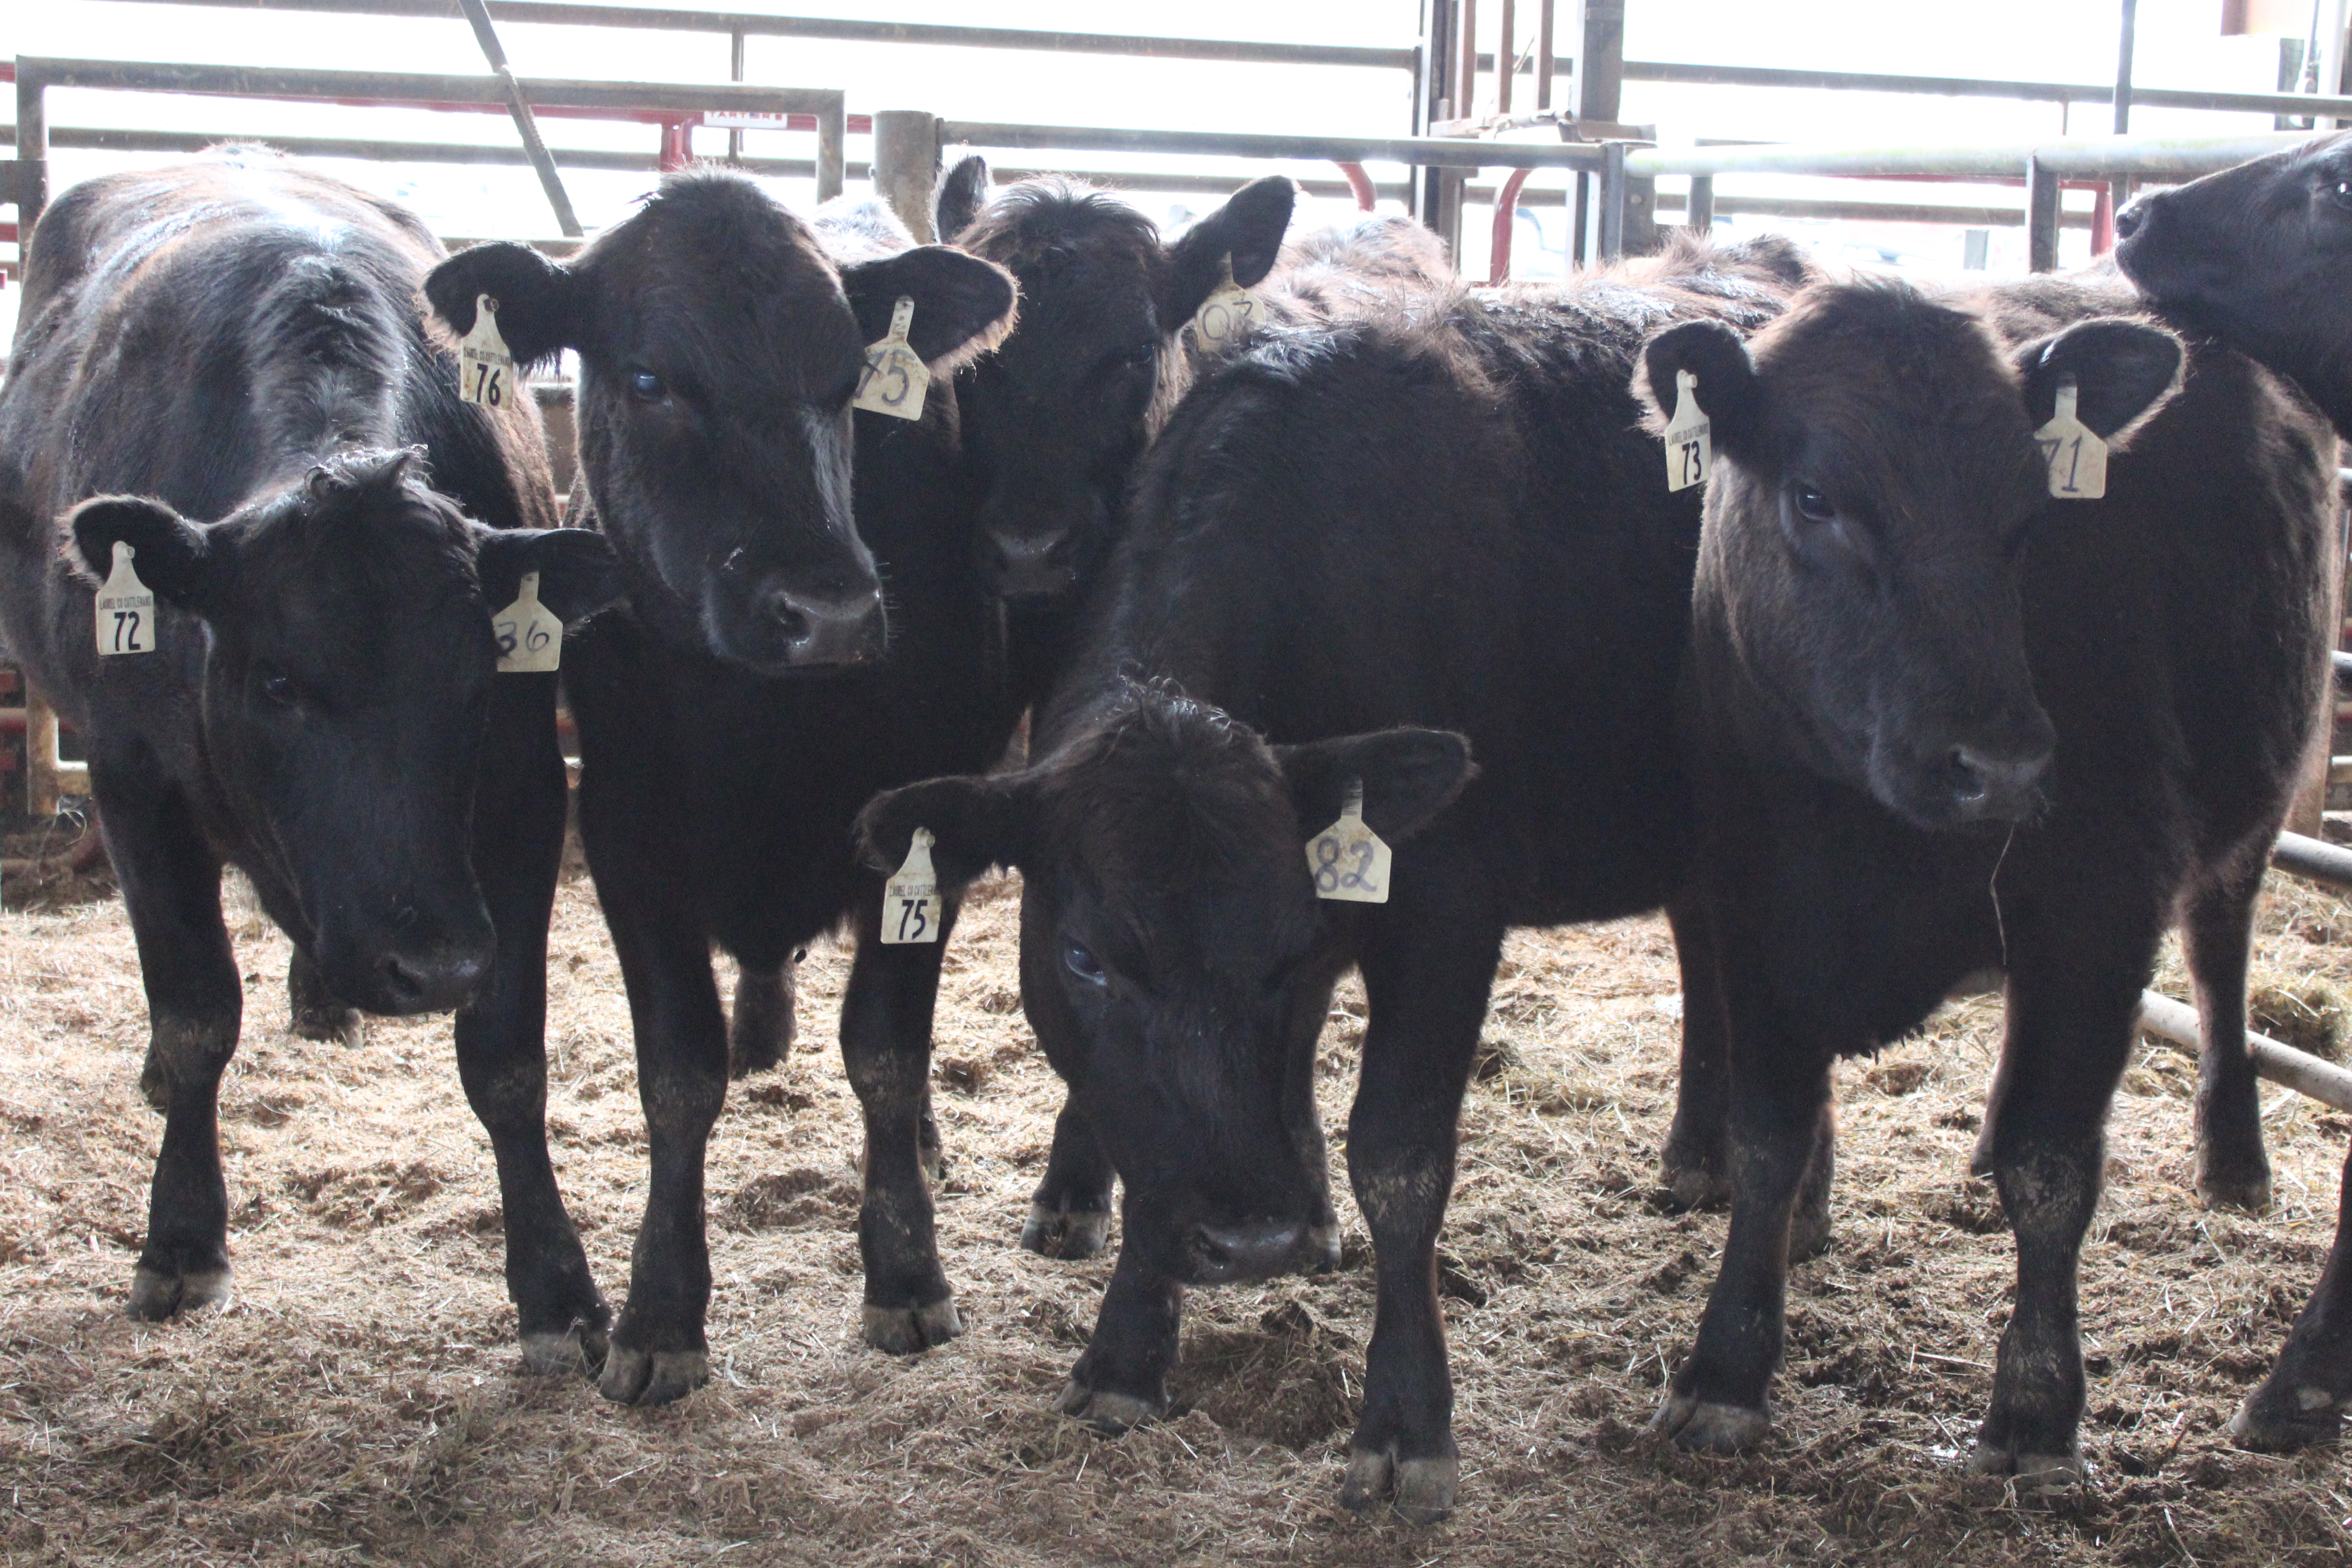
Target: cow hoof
903	1330
1106	1411
1809	1235
2249	1191
1066	1234
2032	1472
578	1351
156	1296
1694	1186
1711	1427
2265	1426
1421	1489
652	1377
1321	1253
344	1026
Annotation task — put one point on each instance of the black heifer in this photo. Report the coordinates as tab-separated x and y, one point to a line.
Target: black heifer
721	340
1942	722
1451	521
223	335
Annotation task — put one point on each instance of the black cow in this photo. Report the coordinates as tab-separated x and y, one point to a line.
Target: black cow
1941	723
236	338
1363	543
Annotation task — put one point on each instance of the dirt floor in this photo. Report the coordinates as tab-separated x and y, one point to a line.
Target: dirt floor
362	1401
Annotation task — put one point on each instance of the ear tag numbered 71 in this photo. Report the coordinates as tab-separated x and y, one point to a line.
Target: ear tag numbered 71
126	608
894	380
530	636
1227	313
1690	449
1347	860
2073	451
911	899
485	368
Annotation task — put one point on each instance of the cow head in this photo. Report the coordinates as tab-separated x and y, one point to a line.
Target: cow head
718	349
1056	417
1174	959
347	662
1877	487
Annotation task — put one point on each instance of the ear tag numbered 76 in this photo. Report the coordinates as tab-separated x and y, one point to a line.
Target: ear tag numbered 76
1227	313
530	636
485	368
1347	860
911	899
126	608
894	380
2073	451
1690	449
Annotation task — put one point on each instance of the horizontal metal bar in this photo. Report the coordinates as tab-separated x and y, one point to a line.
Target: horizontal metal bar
2315	859
2282	1064
2081	157
1423	150
1984	87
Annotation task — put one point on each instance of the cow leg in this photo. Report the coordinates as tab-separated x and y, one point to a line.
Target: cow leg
886	1044
315	1012
1122	1378
760	1026
1069	1215
1696	1164
2307	1394
2231	1168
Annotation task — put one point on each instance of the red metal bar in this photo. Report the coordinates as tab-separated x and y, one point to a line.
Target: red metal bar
678	144
1361	184
2102	220
1507	210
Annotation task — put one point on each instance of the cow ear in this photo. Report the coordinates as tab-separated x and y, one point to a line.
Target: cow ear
539	300
1409	777
2124	371
1727	387
963	191
975	822
964	306
1249	228
173	557
577	573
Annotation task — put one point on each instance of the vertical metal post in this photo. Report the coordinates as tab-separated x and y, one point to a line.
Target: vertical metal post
526	125
832	148
1465	63
1507	57
2041	217
1699	215
2118	193
906	167
41	782
735	73
1437	192
1543	54
1600	61
32	159
1604	226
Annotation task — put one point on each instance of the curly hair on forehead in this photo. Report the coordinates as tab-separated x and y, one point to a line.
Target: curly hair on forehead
1033	218
372	512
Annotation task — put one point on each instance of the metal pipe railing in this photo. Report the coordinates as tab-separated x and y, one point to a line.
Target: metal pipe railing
2072	157
1420	151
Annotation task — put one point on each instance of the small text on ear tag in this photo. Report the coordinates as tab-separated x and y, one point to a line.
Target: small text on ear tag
2073	451
894	380
1347	860
485	368
126	608
911	899
1690	451
1226	314
530	636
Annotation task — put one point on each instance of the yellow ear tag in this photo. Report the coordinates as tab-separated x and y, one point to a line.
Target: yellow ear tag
484	369
2073	451
1347	860
911	899
1226	314
1690	446
530	636
894	381
125	615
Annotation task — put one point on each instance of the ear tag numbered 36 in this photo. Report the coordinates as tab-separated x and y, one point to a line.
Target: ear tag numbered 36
894	380
1690	449
485	368
530	636
911	899
1347	860
126	608
1227	313
2073	451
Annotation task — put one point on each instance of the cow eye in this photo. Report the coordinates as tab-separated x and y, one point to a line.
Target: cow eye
279	688
2342	193
647	386
1083	963
1813	506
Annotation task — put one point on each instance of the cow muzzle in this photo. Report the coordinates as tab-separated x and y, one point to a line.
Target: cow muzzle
1231	1254
1030	565
1999	785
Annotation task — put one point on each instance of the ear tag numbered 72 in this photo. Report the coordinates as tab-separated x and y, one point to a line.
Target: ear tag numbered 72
2073	451
911	899
126	608
485	368
894	380
1347	860
530	636
1227	313
1690	449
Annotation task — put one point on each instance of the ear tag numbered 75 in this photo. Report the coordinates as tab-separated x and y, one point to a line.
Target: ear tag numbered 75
894	380
911	899
126	608
485	368
1690	449
1227	313
2073	451
530	636
1347	860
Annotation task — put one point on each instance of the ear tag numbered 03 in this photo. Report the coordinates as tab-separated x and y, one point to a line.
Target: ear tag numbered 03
485	368
894	380
1347	860
911	899
530	636
1227	313
125	613
1690	448
2073	451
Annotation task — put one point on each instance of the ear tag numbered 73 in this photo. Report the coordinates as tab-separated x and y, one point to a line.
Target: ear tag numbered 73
126	608
894	380
911	899
1347	860
1690	449
485	368
1228	312
530	636
2073	451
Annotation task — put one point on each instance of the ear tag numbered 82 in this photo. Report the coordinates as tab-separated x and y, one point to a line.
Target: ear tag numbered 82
1690	449
1347	860
2073	451
894	380
911	899
530	636
1228	312
125	614
485	368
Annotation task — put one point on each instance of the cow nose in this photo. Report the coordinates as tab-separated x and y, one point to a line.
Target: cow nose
430	979
821	631
2133	219
1996	788
1031	565
1255	1249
